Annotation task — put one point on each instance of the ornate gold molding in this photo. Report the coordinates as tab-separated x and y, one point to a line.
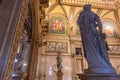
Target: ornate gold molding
119	13
96	4
16	41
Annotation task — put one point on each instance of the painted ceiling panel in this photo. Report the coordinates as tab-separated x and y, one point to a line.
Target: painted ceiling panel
58	10
109	15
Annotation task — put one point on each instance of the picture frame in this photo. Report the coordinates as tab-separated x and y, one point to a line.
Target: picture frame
78	51
57	24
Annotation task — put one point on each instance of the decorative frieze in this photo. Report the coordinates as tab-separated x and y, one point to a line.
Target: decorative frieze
94	3
114	49
57	46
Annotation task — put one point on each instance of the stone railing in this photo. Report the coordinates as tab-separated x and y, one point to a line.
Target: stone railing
94	3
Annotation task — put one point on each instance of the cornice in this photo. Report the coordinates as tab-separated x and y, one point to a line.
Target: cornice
113	5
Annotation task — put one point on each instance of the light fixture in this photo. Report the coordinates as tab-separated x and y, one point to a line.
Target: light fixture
49	3
25	64
13	75
16	60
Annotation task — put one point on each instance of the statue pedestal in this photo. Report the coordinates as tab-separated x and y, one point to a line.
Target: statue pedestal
99	76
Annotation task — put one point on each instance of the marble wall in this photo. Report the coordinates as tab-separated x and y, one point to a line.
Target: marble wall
115	60
47	68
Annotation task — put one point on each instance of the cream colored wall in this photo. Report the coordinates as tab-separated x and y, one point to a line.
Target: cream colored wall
115	60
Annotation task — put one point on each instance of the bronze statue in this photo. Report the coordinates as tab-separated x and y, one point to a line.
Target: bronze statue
59	66
94	42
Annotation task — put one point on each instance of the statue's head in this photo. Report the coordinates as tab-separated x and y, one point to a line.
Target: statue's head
87	7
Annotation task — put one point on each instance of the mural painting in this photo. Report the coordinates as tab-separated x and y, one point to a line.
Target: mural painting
57	25
109	28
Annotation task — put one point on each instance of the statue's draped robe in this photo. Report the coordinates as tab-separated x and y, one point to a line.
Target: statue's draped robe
93	43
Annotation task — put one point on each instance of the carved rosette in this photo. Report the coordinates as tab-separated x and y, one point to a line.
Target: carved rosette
16	40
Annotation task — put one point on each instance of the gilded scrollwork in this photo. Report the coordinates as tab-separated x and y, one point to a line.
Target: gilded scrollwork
16	41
